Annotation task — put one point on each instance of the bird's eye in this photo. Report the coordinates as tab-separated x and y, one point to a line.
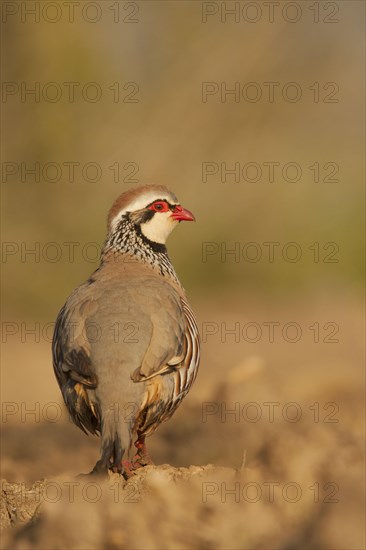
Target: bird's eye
159	206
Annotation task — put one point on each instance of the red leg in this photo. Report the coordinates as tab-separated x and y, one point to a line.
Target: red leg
142	458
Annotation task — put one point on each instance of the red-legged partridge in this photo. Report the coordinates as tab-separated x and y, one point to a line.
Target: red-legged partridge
126	345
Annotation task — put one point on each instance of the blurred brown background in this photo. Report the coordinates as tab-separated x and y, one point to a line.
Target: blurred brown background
161	54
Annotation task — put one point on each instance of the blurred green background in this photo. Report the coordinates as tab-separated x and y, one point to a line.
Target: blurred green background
165	137
169	132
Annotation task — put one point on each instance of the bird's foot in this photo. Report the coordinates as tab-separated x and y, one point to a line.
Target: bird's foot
141	460
99	470
125	468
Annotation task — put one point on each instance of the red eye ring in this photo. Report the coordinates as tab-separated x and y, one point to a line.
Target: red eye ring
159	206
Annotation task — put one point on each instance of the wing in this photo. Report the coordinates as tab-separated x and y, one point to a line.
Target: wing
72	365
164	321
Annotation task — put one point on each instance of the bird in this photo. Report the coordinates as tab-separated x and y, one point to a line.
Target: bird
126	345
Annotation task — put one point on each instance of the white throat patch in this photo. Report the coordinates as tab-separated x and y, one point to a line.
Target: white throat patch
159	227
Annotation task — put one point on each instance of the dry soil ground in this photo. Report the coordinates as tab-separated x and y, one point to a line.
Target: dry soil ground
295	410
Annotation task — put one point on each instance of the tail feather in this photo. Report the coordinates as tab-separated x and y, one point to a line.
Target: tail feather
116	438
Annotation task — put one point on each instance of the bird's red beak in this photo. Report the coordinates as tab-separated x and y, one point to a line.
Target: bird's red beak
182	214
